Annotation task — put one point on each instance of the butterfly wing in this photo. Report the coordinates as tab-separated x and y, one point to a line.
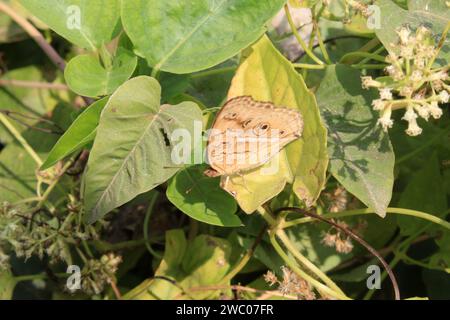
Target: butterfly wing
248	133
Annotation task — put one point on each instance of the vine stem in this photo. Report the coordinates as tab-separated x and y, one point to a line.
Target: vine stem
322	45
299	38
16	134
39	276
355	237
401	211
53	184
35	35
329	288
439	47
308	66
148	214
318	285
32	84
304	261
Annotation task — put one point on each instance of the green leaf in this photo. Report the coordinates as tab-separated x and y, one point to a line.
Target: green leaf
187	36
198	263
79	134
7	284
202	199
86	75
433	14
267	76
424	196
130	154
87	23
361	155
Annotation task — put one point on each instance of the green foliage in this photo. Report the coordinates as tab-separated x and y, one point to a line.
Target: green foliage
433	14
87	23
196	35
361	155
135	122
79	134
202	199
86	75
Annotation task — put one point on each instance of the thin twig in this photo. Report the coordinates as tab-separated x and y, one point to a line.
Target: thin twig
32	84
39	39
241	288
299	38
355	237
35	35
11	115
115	289
16	134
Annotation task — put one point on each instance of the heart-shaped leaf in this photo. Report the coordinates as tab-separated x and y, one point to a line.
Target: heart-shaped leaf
267	76
78	20
202	199
187	36
86	75
431	199
361	155
132	152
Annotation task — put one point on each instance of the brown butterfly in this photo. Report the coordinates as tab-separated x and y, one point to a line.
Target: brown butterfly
248	133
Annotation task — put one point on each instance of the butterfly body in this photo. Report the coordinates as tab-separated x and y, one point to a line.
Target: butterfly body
248	133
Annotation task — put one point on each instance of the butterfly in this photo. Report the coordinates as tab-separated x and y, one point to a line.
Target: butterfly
248	133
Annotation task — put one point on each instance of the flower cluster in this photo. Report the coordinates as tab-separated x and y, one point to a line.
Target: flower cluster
360	7
291	284
413	84
342	242
97	273
36	233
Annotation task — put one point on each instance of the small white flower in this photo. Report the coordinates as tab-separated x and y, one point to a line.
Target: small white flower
407	51
435	111
416	76
392	57
406	91
423	111
419	63
403	34
378	104
444	96
441	75
368	82
409	115
422	33
385	120
390	70
386	94
413	129
438	85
